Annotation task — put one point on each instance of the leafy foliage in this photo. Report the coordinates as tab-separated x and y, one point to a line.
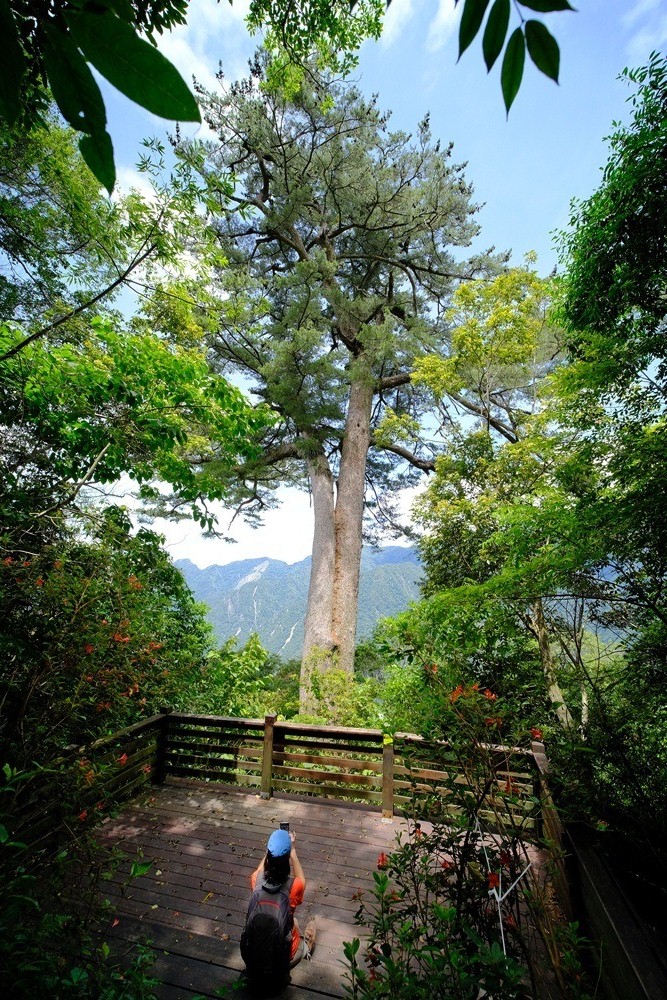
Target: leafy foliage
441	921
46	942
531	35
53	46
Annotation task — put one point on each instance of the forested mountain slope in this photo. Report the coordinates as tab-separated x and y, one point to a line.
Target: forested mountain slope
269	597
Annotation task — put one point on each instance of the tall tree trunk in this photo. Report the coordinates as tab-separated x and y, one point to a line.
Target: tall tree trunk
318	644
538	627
333	596
349	519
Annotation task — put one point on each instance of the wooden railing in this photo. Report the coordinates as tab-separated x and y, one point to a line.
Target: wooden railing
269	756
335	762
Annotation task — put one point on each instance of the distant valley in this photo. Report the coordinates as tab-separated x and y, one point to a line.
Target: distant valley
269	597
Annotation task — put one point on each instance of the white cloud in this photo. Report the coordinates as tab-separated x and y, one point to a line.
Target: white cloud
287	534
442	26
395	21
646	22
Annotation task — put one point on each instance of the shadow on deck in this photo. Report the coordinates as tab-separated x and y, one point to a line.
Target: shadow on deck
204	842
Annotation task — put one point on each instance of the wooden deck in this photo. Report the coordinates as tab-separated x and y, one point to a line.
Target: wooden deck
204	841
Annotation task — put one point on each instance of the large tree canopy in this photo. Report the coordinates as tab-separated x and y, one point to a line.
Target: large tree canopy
344	241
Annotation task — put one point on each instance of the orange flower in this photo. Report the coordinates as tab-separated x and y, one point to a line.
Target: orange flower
457	693
83	816
383	860
39	582
122	760
134	583
117	637
7	561
147	768
536	733
493	720
88	648
489	695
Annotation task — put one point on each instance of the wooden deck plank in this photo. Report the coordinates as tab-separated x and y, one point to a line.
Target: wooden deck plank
204	841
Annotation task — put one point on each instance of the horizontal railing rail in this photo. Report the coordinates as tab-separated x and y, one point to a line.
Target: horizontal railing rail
271	756
342	763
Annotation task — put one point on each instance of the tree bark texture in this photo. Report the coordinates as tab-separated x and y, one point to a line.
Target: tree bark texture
333	596
538	627
318	641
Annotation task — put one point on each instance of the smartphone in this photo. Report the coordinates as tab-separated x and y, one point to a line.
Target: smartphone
284	826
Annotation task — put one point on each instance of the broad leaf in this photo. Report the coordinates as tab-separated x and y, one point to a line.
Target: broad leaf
512	70
97	151
495	31
471	22
12	66
543	49
134	66
72	84
546	6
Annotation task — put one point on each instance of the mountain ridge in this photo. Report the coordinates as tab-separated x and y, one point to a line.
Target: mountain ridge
269	596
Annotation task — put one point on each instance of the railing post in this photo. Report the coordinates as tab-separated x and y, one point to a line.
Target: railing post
388	778
267	757
160	769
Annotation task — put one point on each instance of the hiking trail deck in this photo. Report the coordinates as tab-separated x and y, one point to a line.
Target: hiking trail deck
204	840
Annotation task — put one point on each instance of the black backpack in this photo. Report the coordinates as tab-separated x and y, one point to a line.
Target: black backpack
267	936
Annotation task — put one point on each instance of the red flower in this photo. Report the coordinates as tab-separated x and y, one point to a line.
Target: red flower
383	860
39	582
446	864
510	787
88	648
505	859
147	768
489	695
122	760
83	816
103	706
7	561
536	733
493	720
494	880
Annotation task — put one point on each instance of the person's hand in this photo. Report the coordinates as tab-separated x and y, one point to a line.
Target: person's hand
292	836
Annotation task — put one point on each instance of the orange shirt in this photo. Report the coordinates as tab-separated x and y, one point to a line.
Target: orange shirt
295	899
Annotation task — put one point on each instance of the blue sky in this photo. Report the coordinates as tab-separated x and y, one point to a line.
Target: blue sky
525	169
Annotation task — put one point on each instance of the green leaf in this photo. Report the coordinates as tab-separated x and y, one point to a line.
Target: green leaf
12	66
546	6
512	69
134	66
495	31
543	49
97	151
471	22
72	84
140	868
4	836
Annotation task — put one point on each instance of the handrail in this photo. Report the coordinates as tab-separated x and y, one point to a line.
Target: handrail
271	756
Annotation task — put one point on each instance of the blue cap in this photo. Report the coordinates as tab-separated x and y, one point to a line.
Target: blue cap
280	843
